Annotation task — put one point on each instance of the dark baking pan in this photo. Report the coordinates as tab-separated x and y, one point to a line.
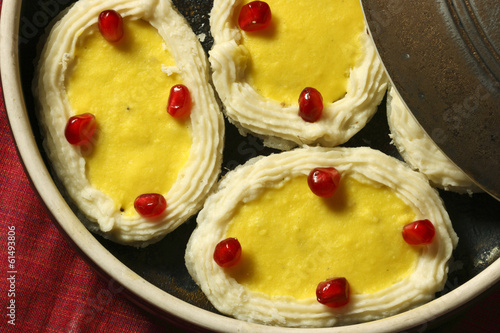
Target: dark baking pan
155	277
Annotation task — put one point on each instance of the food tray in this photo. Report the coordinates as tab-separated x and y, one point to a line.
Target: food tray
155	277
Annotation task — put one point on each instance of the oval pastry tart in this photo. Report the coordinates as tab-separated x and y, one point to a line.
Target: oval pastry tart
131	125
317	237
265	72
420	152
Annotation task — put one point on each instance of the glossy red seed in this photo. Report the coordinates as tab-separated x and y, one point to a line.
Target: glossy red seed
255	15
420	232
150	205
310	105
179	101
110	25
80	129
323	181
333	292
227	252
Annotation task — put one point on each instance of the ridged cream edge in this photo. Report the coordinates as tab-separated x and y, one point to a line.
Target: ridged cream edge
420	152
280	126
367	165
195	180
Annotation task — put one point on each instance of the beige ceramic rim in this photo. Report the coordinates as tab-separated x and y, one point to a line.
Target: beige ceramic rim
142	291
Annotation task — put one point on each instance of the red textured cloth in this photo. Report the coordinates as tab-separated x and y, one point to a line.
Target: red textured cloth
56	291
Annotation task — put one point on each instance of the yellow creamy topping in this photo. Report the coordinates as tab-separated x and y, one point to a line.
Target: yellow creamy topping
292	239
139	147
309	44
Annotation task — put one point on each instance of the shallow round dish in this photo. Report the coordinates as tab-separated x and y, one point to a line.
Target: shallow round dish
443	57
161	284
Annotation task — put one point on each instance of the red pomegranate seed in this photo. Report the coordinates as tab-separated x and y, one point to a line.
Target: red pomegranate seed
150	204
227	252
255	15
419	232
179	101
323	181
110	24
310	105
333	292
80	129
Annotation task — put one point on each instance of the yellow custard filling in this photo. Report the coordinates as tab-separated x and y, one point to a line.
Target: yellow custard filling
292	239
139	148
309	44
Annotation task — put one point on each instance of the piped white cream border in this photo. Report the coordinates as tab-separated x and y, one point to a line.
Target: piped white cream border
420	152
367	165
281	126
198	176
